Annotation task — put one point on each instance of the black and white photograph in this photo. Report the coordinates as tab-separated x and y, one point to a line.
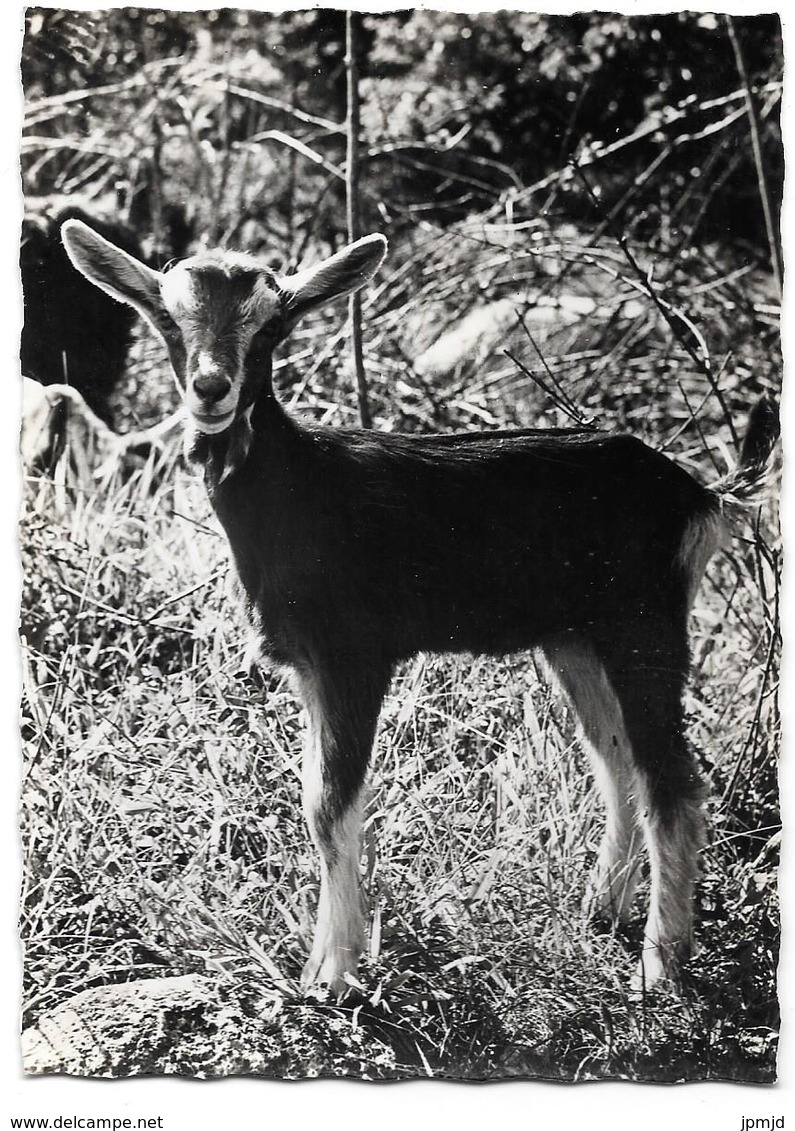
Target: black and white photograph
400	612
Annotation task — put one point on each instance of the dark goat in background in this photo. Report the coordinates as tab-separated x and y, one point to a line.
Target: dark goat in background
359	549
73	334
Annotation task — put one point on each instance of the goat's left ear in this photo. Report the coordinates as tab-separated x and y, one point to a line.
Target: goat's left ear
339	275
112	270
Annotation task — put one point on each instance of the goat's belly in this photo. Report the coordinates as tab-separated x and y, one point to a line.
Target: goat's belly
385	602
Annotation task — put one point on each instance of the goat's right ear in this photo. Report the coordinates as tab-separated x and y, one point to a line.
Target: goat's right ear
112	270
339	275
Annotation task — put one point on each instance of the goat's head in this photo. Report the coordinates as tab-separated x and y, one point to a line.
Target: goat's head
220	313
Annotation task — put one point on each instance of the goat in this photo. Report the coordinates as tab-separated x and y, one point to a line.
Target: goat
358	549
72	333
57	425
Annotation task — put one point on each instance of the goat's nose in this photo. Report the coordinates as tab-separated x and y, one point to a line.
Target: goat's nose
211	387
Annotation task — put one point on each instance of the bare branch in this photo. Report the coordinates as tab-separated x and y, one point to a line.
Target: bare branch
352	192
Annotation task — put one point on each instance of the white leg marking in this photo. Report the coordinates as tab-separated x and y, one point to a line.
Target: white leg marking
674	849
339	932
584	679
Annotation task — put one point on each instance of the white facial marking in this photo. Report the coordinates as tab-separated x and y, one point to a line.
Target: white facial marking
176	292
218	416
206	364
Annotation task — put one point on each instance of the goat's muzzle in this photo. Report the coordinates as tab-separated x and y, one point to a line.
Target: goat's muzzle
211	399
211	387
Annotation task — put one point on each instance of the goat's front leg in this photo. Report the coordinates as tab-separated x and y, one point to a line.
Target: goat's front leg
341	717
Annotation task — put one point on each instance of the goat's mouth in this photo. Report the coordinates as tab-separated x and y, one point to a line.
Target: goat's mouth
212	423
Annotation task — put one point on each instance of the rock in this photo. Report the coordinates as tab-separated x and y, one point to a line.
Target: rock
197	1026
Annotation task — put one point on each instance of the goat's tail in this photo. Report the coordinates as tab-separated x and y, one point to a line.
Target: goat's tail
749	483
733	496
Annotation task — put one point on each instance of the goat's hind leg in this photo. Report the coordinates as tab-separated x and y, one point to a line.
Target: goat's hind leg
341	716
581	674
649	685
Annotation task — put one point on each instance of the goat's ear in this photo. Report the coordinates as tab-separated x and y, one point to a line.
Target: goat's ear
339	275
112	270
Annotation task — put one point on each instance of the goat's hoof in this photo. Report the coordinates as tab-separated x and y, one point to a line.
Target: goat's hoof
658	969
604	911
324	976
609	901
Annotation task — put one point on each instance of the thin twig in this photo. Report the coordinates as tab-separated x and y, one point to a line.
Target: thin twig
296	144
694	421
352	192
560	404
214	576
563	400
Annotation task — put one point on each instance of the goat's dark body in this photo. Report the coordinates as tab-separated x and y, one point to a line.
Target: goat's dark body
479	542
482	542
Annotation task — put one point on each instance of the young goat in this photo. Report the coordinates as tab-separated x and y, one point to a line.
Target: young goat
359	549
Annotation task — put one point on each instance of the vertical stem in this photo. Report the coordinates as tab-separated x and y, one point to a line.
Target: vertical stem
756	145
219	179
155	187
156	182
352	23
